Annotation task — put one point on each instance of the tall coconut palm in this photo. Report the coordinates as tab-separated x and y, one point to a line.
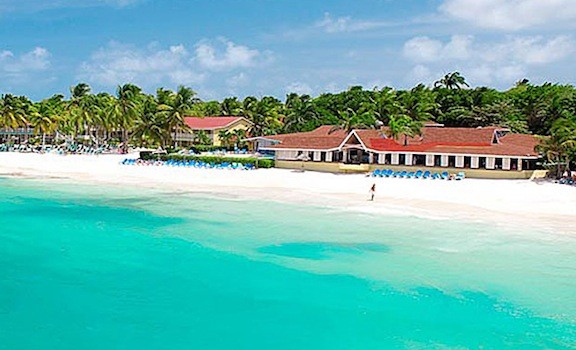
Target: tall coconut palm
560	147
403	126
300	113
126	110
452	81
175	106
12	112
351	119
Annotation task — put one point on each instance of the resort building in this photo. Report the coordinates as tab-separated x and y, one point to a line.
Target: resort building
210	127
488	152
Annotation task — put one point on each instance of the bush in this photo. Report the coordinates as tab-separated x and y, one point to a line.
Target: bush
210	148
258	163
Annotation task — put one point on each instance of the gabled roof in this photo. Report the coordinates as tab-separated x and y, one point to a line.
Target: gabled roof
211	123
437	140
458	141
321	138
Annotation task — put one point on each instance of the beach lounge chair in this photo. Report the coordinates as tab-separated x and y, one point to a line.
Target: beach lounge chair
426	175
403	174
445	175
410	175
419	174
376	173
436	176
460	176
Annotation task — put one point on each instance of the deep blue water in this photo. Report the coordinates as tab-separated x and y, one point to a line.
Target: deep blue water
106	268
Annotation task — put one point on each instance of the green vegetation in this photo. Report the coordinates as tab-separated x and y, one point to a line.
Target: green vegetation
258	163
131	116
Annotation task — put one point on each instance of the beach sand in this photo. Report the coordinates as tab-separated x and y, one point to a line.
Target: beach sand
519	203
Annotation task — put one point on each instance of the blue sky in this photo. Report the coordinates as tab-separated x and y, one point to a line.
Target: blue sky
271	47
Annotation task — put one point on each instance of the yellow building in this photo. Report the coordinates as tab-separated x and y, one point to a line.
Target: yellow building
211	126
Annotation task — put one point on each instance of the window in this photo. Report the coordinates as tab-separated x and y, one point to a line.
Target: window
437	160
467	162
322	156
451	161
482	162
498	163
402	159
419	159
514	164
387	158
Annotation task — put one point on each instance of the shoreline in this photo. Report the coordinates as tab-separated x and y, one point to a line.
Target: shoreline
519	204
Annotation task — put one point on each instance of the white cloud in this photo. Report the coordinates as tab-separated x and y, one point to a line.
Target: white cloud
233	56
21	68
299	88
153	65
424	49
118	63
346	24
516	49
511	14
504	60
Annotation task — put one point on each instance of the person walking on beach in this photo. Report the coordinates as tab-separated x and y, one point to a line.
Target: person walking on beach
372	191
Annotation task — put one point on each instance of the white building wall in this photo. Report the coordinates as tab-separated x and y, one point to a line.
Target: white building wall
316	156
490	162
429	160
519	163
395	158
408	159
459	161
475	162
444	160
328	156
381	158
506	163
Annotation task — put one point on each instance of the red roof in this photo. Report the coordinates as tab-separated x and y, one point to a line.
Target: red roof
319	138
210	123
433	140
458	141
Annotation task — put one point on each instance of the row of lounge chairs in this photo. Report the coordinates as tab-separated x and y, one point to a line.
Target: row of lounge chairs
190	163
419	174
59	149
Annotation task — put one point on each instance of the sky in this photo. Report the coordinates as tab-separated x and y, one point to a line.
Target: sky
273	47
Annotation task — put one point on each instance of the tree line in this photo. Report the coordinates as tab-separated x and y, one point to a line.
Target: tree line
132	116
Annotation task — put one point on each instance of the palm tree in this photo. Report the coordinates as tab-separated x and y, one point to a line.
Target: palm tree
350	120
175	106
452	81
560	147
403	126
12	112
151	128
225	137
300	112
126	110
80	109
47	116
231	106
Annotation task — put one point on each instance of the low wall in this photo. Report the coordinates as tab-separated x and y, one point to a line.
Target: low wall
313	166
470	173
346	168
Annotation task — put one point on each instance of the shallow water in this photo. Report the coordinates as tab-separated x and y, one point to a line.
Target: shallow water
101	267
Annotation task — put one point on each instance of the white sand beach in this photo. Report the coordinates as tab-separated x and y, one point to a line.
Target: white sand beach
520	203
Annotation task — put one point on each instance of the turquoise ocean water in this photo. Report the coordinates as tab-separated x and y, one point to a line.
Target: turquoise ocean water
87	267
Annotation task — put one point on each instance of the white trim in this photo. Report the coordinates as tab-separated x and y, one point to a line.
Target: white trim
353	132
455	154
300	149
217	127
